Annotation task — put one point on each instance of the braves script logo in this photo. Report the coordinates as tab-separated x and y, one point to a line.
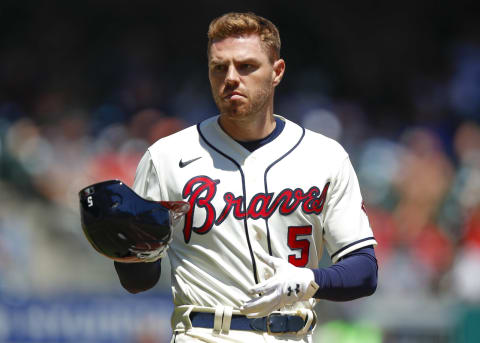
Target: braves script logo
200	191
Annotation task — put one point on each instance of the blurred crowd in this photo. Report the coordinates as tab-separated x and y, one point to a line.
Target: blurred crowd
418	165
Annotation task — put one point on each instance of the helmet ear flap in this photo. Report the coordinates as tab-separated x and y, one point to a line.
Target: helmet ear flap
123	226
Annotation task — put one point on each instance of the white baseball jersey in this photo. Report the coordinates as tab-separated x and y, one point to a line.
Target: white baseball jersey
291	197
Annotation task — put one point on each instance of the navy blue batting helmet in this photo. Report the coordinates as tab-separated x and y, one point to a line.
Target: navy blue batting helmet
123	226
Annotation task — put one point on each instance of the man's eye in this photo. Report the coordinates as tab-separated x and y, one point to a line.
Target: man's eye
219	67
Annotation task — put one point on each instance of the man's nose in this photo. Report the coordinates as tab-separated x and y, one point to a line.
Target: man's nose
232	76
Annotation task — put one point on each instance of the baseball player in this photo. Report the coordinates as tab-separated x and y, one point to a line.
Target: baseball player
266	197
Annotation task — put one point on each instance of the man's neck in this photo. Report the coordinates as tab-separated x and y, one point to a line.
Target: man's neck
248	129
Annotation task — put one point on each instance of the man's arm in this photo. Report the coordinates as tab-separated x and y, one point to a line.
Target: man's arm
138	277
353	277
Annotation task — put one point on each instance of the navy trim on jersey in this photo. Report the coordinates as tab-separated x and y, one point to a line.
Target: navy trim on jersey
244	202
351	244
266	186
254	145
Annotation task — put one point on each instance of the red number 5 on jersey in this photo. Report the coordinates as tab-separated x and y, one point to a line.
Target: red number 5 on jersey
299	244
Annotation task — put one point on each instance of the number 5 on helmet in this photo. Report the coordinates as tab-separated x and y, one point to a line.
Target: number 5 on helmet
123	226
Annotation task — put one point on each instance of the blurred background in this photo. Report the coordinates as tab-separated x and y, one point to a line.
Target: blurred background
87	86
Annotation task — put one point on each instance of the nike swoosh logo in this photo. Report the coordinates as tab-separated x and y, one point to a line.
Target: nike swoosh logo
182	164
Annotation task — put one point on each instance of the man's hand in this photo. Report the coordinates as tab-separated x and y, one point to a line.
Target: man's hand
288	285
150	256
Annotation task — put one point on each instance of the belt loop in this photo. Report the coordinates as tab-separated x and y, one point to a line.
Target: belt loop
309	317
227	319
217	322
186	317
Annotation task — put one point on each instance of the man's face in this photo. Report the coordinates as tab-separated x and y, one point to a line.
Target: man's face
242	77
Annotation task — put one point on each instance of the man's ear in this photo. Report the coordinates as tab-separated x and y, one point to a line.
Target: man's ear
278	71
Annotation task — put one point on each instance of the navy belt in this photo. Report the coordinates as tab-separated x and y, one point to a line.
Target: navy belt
274	323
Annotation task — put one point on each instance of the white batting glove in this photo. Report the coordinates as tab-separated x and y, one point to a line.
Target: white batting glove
288	285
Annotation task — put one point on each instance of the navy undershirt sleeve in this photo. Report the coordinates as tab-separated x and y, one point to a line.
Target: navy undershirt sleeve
353	277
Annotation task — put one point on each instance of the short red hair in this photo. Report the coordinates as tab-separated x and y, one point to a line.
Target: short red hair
238	24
